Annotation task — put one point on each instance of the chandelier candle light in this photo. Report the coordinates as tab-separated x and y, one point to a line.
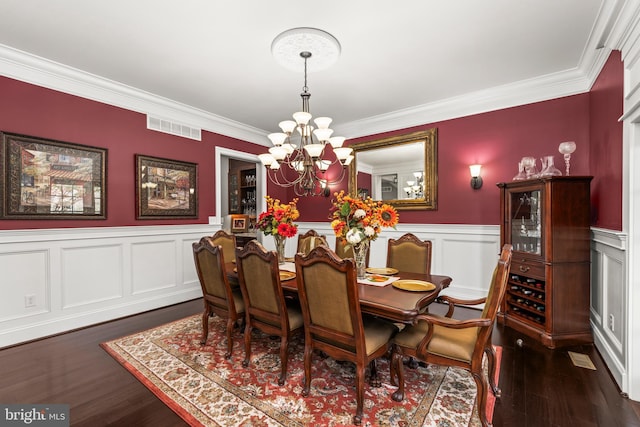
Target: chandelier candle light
302	163
358	221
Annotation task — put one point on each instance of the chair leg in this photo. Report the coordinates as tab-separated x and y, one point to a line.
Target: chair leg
374	378
413	363
481	398
205	325
284	358
398	371
247	345
230	324
308	352
491	362
360	371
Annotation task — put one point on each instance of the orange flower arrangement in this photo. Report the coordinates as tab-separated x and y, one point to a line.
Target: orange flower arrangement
357	220
278	218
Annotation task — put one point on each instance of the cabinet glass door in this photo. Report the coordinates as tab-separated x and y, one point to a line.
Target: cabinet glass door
526	232
234	193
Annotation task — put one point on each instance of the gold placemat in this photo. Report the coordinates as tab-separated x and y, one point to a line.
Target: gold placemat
414	285
287	275
383	271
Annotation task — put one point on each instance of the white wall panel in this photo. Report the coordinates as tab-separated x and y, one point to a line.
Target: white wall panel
189	274
615	313
473	261
153	266
91	274
23	273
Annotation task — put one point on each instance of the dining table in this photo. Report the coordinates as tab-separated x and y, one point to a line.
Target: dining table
378	299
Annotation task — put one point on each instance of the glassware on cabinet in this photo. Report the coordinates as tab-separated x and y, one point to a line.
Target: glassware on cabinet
548	168
567	148
521	174
530	168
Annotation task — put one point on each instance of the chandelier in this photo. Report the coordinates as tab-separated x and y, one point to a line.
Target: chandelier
415	188
302	154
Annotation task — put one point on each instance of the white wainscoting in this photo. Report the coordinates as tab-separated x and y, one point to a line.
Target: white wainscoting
79	277
72	278
609	295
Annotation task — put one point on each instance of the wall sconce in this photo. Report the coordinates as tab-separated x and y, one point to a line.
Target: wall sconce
476	179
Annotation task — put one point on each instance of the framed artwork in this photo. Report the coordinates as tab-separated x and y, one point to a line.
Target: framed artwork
47	179
165	188
239	223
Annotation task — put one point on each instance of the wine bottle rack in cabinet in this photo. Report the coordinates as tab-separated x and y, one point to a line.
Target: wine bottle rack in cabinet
526	299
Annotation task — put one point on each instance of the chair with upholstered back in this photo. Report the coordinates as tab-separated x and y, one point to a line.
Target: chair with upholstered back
217	294
228	243
309	240
409	254
265	304
333	322
462	343
343	252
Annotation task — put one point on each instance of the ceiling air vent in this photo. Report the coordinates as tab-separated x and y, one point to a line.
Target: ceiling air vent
173	128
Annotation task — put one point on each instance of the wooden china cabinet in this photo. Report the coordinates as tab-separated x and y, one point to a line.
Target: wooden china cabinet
242	189
547	220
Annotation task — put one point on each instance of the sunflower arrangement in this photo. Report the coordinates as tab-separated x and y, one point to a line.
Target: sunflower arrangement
278	218
356	220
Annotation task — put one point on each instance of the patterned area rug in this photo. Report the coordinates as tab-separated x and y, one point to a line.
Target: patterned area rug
204	388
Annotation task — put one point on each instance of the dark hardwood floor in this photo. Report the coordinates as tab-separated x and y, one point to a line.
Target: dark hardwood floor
540	387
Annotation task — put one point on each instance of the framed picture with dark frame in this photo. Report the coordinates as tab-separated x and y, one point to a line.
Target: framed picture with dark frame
165	188
47	179
239	223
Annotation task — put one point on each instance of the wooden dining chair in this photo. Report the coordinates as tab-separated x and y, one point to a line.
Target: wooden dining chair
333	322
343	252
228	243
409	254
218	296
309	240
266	308
461	343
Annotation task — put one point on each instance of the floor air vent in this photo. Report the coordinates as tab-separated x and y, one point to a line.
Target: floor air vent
167	126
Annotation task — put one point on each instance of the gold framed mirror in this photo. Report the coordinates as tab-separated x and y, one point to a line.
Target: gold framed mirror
399	170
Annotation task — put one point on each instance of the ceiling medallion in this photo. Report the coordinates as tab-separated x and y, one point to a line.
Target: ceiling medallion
287	46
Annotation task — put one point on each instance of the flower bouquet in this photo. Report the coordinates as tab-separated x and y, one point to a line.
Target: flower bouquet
277	221
358	221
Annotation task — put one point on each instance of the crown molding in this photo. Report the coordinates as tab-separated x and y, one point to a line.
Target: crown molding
496	98
36	70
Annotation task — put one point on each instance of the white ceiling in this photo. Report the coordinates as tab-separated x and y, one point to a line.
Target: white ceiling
402	63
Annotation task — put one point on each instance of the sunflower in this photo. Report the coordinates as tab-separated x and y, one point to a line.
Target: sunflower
387	216
360	218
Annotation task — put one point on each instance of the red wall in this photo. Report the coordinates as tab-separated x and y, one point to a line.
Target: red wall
35	111
606	145
497	140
